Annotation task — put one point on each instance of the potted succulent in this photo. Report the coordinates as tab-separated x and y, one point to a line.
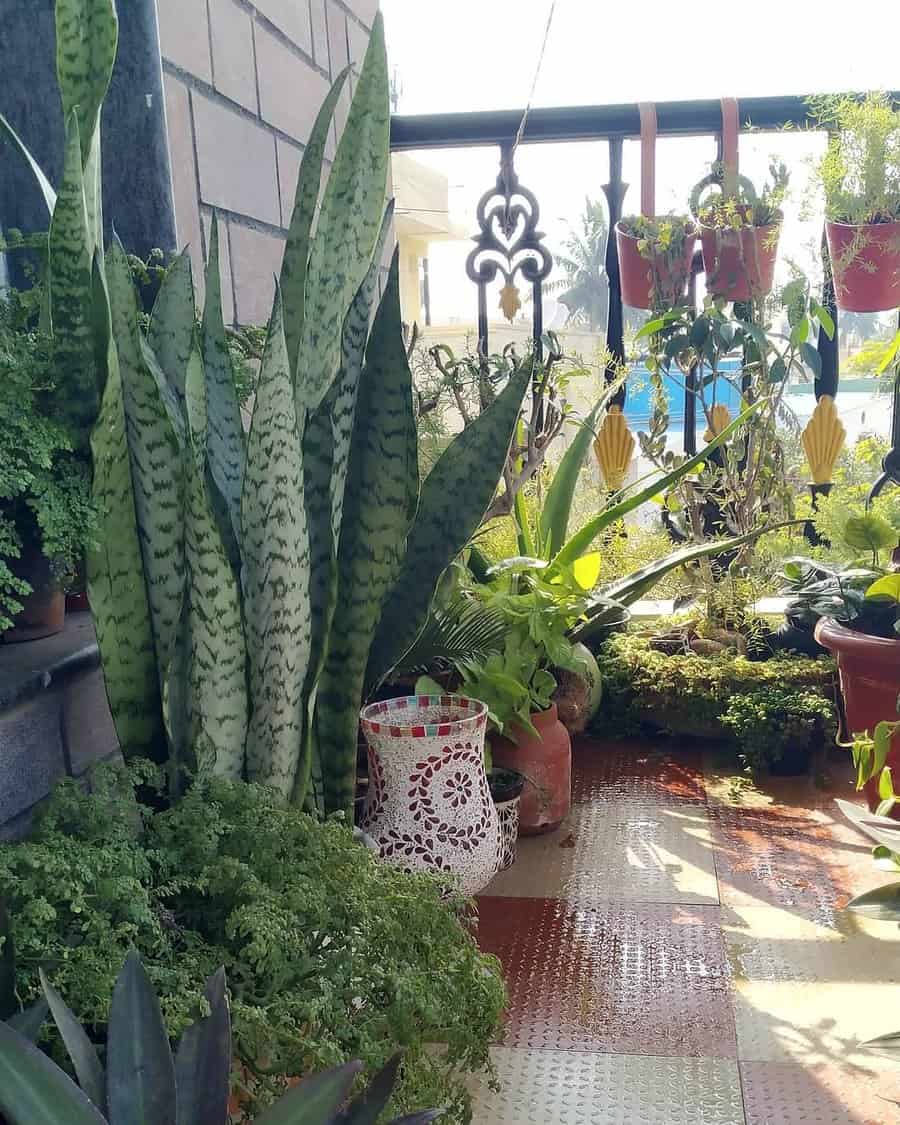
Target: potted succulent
655	255
860	176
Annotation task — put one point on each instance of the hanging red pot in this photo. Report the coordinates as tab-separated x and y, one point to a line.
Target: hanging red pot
650	276
865	264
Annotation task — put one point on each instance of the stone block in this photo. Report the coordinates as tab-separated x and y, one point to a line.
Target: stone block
224	265
184	173
291	17
320	34
290	90
288	166
184	36
234	66
337	38
88	732
32	758
364	10
358	41
255	260
236	160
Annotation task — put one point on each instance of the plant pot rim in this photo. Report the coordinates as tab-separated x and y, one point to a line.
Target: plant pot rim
507	790
838	638
862	226
396	716
777	225
691	225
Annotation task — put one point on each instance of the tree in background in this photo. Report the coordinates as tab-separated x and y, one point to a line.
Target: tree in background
586	295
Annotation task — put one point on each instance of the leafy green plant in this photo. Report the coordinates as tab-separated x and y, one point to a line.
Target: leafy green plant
769	724
330	954
860	597
744	209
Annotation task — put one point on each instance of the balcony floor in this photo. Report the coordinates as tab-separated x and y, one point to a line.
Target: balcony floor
677	954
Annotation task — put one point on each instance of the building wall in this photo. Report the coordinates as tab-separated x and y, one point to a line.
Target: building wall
243	84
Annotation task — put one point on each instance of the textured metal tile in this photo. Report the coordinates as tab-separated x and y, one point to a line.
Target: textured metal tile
613	977
637	770
618	850
576	1088
836	1094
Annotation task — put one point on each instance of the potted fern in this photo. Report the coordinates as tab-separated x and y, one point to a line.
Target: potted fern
860	177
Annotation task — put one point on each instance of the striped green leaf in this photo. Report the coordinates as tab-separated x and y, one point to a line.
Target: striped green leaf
348	224
296	251
225	432
33	1088
71	310
455	495
276	571
116	591
218	668
379	503
87	33
172	323
156	462
46	189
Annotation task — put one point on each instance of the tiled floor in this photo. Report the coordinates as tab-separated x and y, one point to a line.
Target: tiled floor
677	954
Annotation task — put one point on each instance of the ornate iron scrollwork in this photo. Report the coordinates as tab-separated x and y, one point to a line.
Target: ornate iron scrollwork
508	243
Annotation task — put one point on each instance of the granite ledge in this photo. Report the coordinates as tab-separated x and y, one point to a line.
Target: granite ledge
29	668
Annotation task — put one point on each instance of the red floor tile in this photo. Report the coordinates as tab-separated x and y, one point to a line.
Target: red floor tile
636	770
646	979
836	1094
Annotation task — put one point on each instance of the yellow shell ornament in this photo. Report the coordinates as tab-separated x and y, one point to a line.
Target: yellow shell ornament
719	418
614	448
823	439
510	302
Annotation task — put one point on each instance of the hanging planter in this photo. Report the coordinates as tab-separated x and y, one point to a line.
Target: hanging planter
739	230
865	265
655	251
428	806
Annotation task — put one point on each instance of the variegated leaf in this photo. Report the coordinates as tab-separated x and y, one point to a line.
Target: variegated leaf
455	495
379	502
348	224
276	571
172	323
225	432
87	33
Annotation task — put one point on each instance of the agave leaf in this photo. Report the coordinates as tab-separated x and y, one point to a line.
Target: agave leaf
203	1061
225	432
139	1067
87	33
218	665
366	1108
880	829
296	250
315	1100
33	1088
71	288
8	1001
78	1047
882	904
348	224
46	189
379	502
30	1020
455	496
172	323
276	571
887	1046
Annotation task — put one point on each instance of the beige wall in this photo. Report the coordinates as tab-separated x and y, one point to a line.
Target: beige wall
243	83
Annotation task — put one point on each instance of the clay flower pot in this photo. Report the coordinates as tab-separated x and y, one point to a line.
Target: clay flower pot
869	673
865	264
428	806
43	611
546	763
739	264
655	279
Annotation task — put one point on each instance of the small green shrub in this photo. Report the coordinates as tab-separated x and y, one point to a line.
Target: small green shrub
330	954
768	724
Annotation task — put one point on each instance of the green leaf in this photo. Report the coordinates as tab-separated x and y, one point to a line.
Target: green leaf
582	539
812	359
368	1106
8	1000
203	1061
87	33
823	316
778	370
140	1073
888	586
699	332
172	323
276	570
799	332
885	1045
886	832
349	220
296	251
882	904
889	355
49	195
455	495
885	785
379	503
33	1089
30	1021
315	1100
869	533
79	1048
586	570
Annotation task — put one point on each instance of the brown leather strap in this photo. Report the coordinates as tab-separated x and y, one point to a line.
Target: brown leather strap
730	128
648	158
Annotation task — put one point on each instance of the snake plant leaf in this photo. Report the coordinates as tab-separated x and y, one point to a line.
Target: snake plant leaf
46	189
156	463
203	1061
367	1107
315	1100
455	495
349	219
30	1020
172	323
79	1048
276	570
71	287
115	579
882	904
33	1088
296	249
217	669
225	431
582	539
379	504
140	1072
87	34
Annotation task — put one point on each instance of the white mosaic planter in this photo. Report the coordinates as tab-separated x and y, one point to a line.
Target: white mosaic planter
428	806
508	815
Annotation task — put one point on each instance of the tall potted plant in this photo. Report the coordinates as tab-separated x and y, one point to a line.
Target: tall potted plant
860	176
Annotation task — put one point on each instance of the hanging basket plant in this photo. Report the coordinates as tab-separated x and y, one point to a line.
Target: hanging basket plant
655	251
860	175
739	229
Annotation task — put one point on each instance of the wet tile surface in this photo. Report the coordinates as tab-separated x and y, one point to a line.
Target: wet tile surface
833	1094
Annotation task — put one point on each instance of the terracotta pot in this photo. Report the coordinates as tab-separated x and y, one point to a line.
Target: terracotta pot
740	264
869	672
546	763
865	263
637	273
43	611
